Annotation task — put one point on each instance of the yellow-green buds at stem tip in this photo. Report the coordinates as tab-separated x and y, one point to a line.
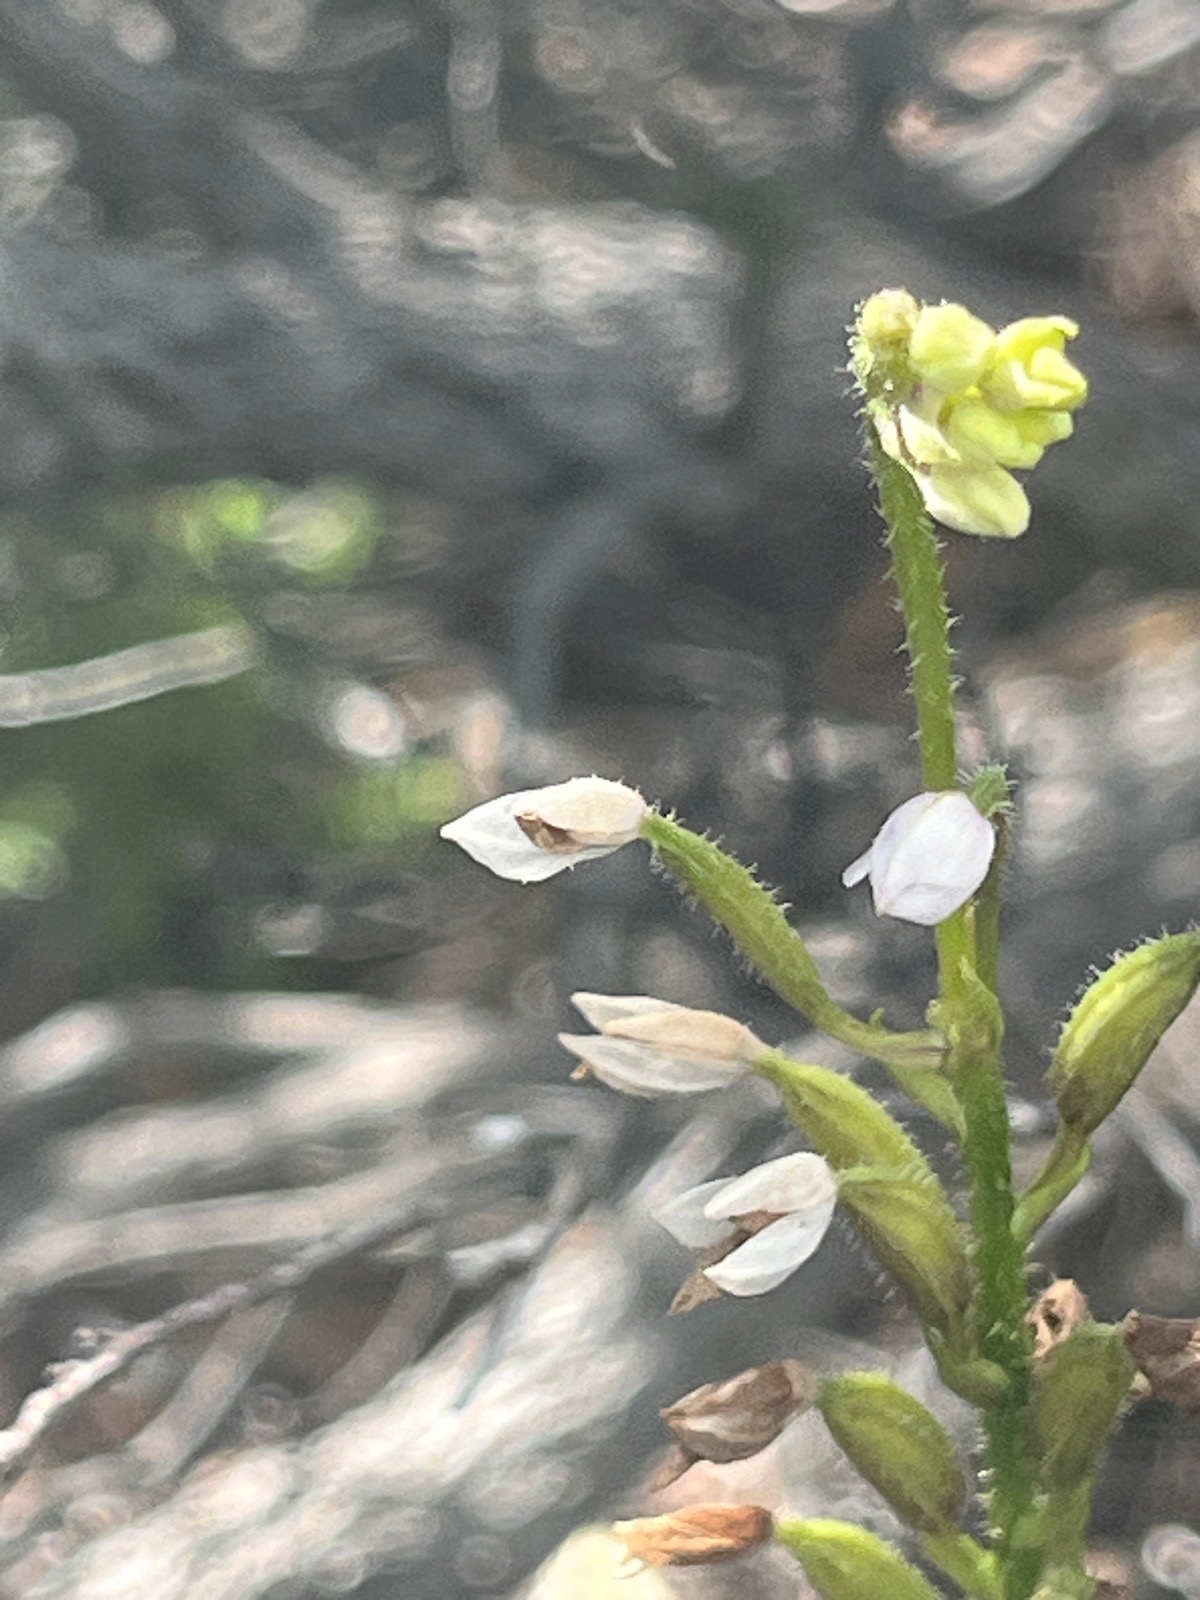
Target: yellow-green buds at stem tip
1109	1036
756	1229
928	859
650	1047
898	1446
959	405
846	1562
535	833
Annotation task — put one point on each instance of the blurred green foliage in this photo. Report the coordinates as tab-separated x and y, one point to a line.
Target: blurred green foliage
117	808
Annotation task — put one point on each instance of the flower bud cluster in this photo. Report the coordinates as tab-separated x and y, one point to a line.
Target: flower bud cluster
961	405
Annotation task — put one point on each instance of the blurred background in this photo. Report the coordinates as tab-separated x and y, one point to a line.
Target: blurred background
407	400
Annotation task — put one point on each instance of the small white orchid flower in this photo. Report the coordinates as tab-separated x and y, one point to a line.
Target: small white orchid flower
534	834
650	1047
928	859
764	1224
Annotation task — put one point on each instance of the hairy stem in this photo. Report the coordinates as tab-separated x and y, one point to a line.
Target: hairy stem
970	1015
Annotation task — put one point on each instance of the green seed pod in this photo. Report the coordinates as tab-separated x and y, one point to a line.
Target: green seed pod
846	1562
907	1220
898	1446
844	1123
1078	1391
1121	1017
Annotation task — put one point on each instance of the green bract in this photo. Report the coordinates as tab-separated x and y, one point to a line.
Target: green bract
1122	1016
848	1563
898	1445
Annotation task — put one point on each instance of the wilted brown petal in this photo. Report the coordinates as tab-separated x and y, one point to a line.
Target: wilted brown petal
1166	1351
697	1290
737	1418
1056	1315
696	1536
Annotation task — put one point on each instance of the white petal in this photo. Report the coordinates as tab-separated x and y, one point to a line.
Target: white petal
685	1220
594	811
640	1069
491	834
796	1183
601	1009
857	870
769	1257
930	856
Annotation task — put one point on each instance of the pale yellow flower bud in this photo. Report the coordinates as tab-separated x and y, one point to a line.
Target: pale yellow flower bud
976	499
887	319
1030	369
980	433
950	348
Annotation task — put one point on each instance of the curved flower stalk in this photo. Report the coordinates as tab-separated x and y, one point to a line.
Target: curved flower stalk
535	833
961	406
928	859
650	1047
756	1230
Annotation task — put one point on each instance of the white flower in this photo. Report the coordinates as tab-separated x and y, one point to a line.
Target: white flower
538	832
928	859
774	1216
650	1047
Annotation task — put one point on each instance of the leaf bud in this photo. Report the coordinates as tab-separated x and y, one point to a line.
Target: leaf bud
1108	1037
898	1446
845	1562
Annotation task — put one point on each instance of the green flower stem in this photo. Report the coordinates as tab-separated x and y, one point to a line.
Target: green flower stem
917	569
1065	1166
987	908
970	1014
756	923
1001	1309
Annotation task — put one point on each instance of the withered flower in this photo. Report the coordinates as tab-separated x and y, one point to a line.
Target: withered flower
1057	1314
1166	1351
695	1536
735	1419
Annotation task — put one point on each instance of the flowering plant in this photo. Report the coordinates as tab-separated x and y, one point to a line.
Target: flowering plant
951	408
